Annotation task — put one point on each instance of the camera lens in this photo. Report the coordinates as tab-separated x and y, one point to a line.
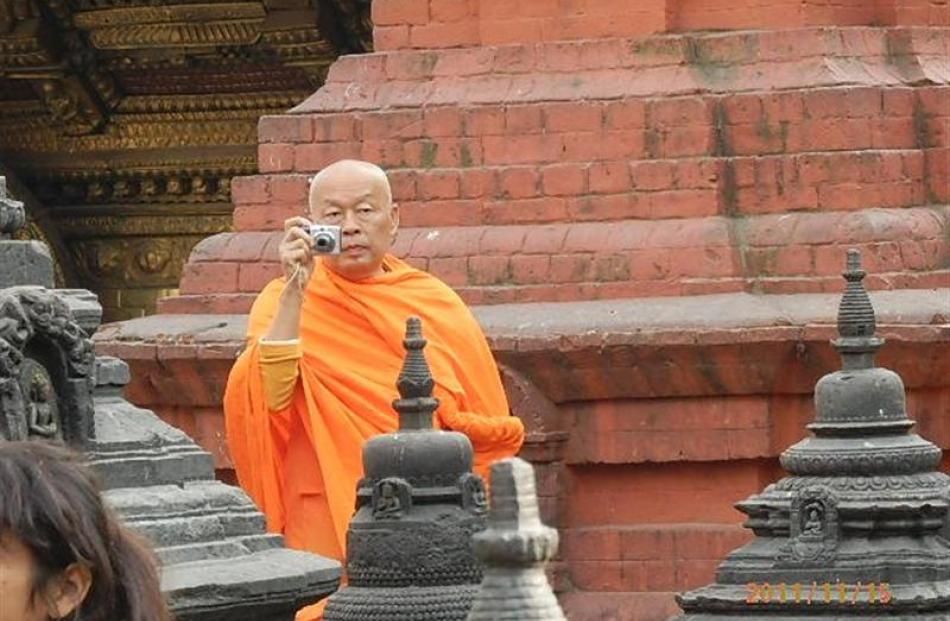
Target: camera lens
324	242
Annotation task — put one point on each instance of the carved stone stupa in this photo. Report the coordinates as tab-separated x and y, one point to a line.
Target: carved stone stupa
513	550
409	545
856	531
218	563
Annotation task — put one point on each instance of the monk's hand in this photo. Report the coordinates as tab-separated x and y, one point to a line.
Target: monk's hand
296	253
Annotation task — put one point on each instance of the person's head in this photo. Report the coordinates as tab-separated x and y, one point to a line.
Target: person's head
63	555
356	196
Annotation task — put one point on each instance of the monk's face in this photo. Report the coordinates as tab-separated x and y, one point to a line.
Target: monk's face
358	201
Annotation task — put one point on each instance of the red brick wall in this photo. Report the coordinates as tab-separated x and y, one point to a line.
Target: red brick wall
433	24
559	168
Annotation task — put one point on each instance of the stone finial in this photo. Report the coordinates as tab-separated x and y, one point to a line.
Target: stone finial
12	215
514	549
415	383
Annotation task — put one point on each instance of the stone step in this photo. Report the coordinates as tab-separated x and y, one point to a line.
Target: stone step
268	585
775	253
666	65
190	513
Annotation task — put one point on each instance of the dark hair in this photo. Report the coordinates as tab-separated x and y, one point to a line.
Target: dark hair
51	502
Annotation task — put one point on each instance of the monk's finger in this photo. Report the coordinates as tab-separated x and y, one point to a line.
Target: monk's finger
296	221
295	232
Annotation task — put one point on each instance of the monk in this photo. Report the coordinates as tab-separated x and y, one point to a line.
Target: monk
324	349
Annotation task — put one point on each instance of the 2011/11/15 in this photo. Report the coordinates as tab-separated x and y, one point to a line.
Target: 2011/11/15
825	592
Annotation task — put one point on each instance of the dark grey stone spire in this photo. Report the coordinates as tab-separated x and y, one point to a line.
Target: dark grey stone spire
409	546
856	531
514	549
415	383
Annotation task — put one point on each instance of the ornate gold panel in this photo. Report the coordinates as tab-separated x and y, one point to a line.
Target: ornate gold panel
127	120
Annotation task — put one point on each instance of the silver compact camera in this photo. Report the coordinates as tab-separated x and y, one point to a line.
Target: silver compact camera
327	239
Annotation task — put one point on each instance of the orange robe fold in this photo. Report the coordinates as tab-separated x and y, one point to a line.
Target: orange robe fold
301	463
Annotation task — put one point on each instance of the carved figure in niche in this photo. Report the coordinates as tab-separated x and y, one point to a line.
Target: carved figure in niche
391	498
814	516
173	186
198	185
474	496
121	189
814	533
39	395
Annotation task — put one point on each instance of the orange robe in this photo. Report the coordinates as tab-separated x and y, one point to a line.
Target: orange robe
301	463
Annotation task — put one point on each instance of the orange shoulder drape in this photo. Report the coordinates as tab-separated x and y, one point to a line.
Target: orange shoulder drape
351	334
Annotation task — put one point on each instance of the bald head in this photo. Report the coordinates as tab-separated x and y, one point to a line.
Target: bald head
350	172
356	197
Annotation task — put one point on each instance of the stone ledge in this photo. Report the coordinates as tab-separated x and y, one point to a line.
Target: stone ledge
559	345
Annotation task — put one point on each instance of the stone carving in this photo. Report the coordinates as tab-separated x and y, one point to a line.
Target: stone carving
223	565
41	346
409	545
814	529
859	528
514	549
12	215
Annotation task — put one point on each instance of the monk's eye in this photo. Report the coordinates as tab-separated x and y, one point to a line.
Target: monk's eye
332	216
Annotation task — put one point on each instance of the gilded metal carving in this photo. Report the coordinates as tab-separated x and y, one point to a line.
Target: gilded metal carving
110	104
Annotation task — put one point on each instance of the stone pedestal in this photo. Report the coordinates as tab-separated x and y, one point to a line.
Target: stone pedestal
409	547
858	529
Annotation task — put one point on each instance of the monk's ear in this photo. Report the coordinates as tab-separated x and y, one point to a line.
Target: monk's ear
394	218
66	592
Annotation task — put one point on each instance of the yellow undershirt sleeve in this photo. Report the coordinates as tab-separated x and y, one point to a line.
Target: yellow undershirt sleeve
279	371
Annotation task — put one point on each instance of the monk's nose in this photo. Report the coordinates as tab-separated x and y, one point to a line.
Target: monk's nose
351	225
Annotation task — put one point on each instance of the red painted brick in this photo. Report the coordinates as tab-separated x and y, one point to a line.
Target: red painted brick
564	179
245	247
315	157
390	37
284	128
438	184
571	268
506	240
489	270
396	12
544	239
452	270
290	188
609	177
485	121
596	575
628	114
402	124
452	10
209	278
254	276
253	190
569	117
275	157
479	183
444	35
523	119
583	544
521	182
545	209
652	175
403	184
530	269
443	121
